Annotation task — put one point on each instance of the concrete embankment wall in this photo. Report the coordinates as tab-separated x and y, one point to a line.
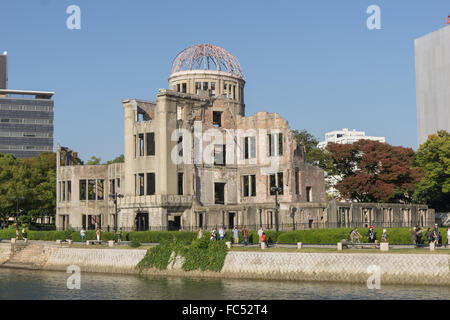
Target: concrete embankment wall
96	260
395	268
5	252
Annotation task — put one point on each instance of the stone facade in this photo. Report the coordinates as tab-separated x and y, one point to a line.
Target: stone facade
193	159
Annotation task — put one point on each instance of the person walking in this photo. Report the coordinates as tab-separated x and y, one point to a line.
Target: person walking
119	235
213	235
419	236
200	234
98	233
371	234
221	233
448	237
355	235
260	233
414	237
82	234
264	239
236	235
24	235
17	233
384	236
436	234
245	235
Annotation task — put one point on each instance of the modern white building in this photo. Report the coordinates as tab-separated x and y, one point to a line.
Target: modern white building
346	136
432	53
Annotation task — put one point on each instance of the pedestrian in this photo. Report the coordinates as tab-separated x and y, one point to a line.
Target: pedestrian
213	235
200	234
99	234
436	234
17	233
384	236
264	239
419	236
260	233
371	234
355	235
82	234
448	237
429	236
221	233
236	235
24	235
245	235
414	236
119	235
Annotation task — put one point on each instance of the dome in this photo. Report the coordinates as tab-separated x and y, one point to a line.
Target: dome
207	57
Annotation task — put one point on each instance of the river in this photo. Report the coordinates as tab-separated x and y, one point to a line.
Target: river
46	285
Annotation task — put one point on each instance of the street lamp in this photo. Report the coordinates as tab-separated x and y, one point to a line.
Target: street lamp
294	209
114	197
17	199
276	190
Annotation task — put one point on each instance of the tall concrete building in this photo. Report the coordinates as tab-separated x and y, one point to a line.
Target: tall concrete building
193	159
433	83
26	118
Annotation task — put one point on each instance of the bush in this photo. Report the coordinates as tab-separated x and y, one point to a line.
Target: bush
135	244
200	254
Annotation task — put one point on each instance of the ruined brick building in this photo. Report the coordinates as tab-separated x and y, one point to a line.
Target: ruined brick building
193	159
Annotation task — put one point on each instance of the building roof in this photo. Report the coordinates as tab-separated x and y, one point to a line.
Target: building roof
37	94
206	57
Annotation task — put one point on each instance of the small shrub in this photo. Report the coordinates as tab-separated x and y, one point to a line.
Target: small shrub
135	244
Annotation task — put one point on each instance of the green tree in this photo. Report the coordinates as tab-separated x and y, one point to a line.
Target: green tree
433	157
119	159
94	161
314	155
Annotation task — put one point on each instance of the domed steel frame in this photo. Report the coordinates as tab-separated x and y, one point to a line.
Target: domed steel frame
206	57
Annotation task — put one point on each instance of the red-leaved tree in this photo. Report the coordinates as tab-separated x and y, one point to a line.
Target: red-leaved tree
371	171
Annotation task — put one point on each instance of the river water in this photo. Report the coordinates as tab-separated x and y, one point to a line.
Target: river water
47	285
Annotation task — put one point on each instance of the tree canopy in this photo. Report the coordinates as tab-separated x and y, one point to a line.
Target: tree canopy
433	157
371	171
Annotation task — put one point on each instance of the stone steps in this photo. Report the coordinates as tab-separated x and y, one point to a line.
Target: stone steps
30	256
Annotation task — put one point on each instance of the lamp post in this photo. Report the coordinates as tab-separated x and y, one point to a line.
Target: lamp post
294	209
276	190
17	199
115	196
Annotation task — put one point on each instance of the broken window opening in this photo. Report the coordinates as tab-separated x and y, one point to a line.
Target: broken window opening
63	187
112	186
275	144
217	118
180	146
82	189
308	194
297	181
141	145
246	186
151	183
198	87
184	87
205	86
91	190
100	189
178	87
180	183
141	184
69	190
150	143
276	181
220	154
219	193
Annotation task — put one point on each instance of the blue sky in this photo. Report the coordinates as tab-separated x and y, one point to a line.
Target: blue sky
314	62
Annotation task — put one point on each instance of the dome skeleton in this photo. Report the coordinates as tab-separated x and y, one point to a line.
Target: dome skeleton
206	55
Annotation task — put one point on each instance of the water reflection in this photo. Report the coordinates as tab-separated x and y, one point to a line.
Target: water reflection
46	285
